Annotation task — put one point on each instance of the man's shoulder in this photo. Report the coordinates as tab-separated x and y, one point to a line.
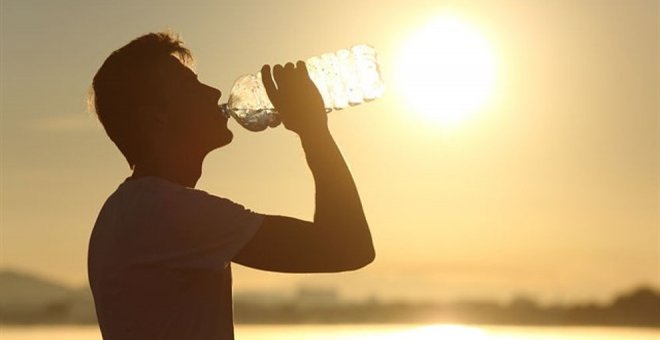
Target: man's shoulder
158	189
161	199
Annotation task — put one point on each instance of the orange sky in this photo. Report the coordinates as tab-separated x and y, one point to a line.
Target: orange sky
551	188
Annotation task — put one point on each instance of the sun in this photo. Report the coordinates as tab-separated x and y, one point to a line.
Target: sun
445	71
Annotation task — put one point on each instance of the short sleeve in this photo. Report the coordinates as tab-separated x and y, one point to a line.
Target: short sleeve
196	230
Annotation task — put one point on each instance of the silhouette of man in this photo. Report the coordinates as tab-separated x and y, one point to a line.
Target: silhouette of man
160	252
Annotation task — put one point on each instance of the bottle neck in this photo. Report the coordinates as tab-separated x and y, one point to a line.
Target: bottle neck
224	110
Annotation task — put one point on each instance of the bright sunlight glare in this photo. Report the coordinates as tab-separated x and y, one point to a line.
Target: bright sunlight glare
454	332
445	71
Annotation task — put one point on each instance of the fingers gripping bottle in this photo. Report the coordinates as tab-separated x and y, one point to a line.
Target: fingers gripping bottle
344	78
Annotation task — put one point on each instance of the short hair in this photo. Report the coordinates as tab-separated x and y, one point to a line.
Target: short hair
125	82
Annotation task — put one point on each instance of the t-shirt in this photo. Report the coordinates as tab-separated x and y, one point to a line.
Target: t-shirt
159	261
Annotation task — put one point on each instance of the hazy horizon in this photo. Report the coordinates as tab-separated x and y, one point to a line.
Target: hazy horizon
551	188
305	290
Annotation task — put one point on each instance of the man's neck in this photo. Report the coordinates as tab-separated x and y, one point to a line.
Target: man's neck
185	170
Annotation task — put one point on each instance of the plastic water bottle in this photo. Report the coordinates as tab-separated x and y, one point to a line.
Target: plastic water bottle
344	78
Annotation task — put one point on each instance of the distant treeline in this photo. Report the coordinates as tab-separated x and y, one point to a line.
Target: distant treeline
25	299
639	308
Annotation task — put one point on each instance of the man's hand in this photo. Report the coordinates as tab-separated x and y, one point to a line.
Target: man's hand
295	98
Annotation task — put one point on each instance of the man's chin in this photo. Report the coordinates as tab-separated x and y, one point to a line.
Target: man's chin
226	138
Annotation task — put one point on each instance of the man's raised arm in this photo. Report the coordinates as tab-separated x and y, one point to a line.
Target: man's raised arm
339	238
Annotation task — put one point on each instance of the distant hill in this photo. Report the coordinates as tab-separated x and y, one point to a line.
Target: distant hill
23	291
26	298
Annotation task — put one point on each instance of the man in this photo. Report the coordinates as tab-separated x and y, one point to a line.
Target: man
160	252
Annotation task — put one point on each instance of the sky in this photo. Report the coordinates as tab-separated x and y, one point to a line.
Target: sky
550	188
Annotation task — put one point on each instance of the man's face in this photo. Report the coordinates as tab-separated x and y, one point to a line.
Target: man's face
195	120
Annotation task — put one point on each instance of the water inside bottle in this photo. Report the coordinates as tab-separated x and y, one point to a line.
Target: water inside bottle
344	78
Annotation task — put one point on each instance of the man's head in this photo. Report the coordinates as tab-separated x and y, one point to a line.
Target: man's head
149	101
